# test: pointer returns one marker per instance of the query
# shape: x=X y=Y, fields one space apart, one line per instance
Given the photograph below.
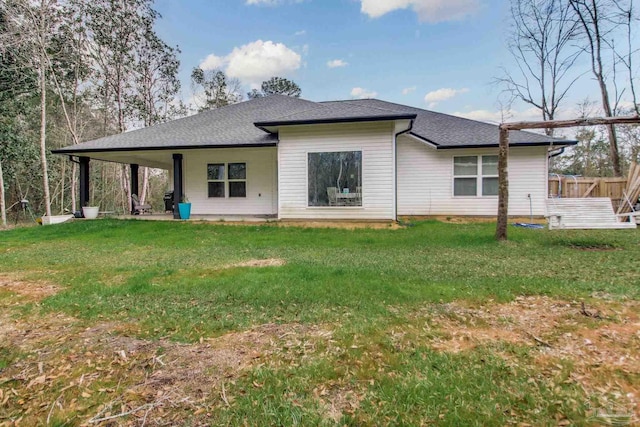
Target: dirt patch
x=338 y=399
x=471 y=219
x=346 y=224
x=602 y=344
x=270 y=262
x=66 y=370
x=595 y=248
x=33 y=290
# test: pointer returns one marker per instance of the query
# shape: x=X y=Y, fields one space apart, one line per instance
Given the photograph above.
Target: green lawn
x=175 y=282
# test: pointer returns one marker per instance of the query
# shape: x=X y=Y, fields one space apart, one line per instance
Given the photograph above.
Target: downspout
x=561 y=151
x=395 y=159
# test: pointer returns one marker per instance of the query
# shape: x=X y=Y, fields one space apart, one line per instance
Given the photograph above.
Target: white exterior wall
x=425 y=181
x=262 y=194
x=375 y=140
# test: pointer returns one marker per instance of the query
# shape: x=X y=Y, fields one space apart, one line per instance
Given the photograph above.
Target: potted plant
x=184 y=207
x=90 y=212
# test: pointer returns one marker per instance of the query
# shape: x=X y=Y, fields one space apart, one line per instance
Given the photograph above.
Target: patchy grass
x=212 y=324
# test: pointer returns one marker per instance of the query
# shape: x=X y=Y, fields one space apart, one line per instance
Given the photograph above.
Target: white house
x=359 y=159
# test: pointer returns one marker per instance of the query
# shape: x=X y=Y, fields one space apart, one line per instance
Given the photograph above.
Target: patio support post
x=134 y=184
x=177 y=184
x=84 y=181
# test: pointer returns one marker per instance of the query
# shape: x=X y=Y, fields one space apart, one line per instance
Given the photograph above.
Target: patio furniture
x=585 y=213
x=348 y=199
x=139 y=209
x=332 y=193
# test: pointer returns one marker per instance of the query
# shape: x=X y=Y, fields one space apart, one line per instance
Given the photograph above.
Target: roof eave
x=263 y=125
x=78 y=151
x=513 y=144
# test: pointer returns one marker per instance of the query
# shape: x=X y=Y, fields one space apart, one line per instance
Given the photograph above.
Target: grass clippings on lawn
x=604 y=352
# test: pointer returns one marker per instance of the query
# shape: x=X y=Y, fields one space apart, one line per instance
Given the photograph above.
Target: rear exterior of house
x=427 y=180
x=362 y=160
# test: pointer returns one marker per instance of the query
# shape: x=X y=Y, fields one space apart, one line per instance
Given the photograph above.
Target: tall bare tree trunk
x=3 y=206
x=592 y=17
x=43 y=133
x=145 y=185
x=611 y=130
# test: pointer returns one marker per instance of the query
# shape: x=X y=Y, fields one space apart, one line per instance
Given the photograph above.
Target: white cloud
x=442 y=94
x=255 y=62
x=336 y=63
x=212 y=62
x=300 y=33
x=408 y=90
x=360 y=93
x=431 y=11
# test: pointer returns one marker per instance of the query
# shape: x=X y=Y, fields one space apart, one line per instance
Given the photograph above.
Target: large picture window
x=335 y=178
x=223 y=176
x=475 y=176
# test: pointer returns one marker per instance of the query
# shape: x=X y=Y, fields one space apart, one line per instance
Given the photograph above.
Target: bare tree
x=625 y=17
x=114 y=28
x=596 y=23
x=540 y=41
x=34 y=25
x=156 y=85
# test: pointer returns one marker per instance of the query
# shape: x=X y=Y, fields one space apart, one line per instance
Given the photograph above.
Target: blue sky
x=396 y=50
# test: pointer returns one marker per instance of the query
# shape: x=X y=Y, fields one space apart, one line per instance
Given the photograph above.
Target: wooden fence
x=567 y=186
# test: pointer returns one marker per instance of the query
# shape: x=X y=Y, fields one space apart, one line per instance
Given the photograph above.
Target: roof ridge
x=353 y=101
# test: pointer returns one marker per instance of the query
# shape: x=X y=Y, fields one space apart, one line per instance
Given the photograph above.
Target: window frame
x=479 y=176
x=226 y=180
x=224 y=186
x=320 y=151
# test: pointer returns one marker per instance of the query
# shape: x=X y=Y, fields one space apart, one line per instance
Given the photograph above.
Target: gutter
x=395 y=167
x=514 y=144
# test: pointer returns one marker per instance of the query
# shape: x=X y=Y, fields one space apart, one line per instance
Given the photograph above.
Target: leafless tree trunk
x=145 y=185
x=592 y=22
x=43 y=133
x=541 y=44
x=626 y=17
x=3 y=206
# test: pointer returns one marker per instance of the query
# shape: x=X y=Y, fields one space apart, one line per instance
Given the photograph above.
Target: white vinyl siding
x=261 y=179
x=374 y=140
x=425 y=181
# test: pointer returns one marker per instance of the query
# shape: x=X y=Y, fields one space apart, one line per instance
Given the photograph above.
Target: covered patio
x=160 y=159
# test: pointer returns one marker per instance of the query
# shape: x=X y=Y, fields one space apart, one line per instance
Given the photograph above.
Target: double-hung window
x=227 y=178
x=475 y=176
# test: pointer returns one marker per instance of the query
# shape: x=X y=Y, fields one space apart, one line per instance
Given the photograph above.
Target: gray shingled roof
x=223 y=127
x=337 y=112
x=236 y=125
x=445 y=131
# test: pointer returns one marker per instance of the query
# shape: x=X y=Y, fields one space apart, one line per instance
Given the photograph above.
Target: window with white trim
x=227 y=178
x=475 y=176
x=335 y=179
